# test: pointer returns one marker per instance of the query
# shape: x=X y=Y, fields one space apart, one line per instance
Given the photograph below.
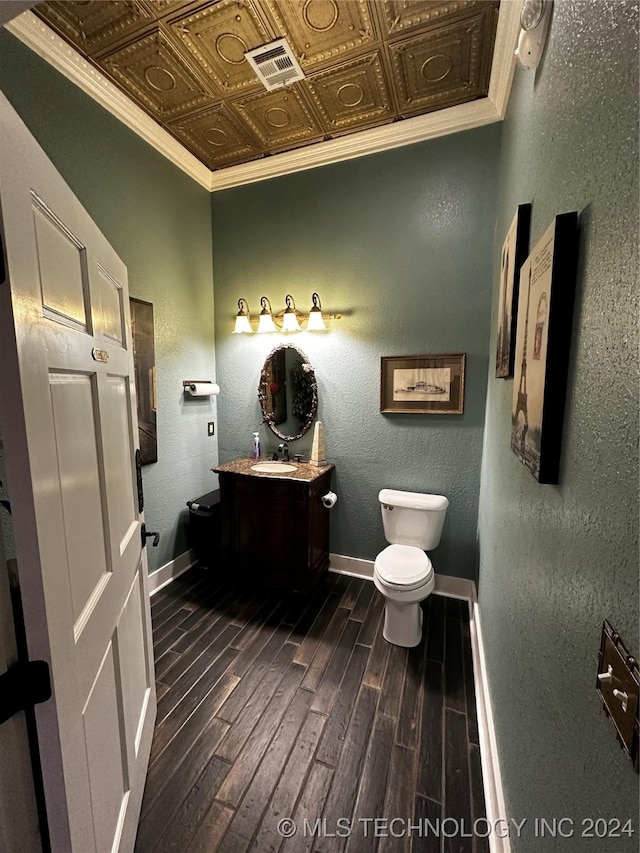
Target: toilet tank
x=413 y=518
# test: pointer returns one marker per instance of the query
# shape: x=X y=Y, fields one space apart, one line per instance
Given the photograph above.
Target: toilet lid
x=403 y=565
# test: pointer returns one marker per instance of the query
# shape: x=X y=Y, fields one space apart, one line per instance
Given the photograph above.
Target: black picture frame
x=514 y=253
x=543 y=342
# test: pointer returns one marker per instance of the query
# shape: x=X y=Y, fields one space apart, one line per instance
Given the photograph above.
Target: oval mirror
x=288 y=392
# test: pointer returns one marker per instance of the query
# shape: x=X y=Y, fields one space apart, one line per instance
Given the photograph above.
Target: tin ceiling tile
x=92 y=27
x=218 y=36
x=154 y=74
x=324 y=30
x=352 y=94
x=440 y=68
x=216 y=137
x=399 y=17
x=160 y=8
x=280 y=119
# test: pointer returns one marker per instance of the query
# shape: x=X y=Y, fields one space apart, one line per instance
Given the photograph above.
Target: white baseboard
x=170 y=571
x=357 y=568
x=491 y=776
x=455 y=587
x=352 y=566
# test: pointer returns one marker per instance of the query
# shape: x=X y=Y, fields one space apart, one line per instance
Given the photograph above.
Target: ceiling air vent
x=275 y=64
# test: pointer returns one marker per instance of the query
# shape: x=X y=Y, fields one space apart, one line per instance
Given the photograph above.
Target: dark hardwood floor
x=271 y=709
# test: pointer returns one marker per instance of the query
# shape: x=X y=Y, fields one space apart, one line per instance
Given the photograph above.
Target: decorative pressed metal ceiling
x=366 y=64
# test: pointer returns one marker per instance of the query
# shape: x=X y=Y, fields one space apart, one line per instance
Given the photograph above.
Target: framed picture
x=422 y=384
x=144 y=362
x=545 y=308
x=514 y=251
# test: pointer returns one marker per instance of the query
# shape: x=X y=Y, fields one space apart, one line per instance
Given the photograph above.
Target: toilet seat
x=403 y=567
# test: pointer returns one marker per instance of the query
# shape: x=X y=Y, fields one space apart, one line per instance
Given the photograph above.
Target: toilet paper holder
x=201 y=387
x=329 y=500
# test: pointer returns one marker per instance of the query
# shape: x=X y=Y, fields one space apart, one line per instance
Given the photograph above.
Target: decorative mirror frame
x=269 y=417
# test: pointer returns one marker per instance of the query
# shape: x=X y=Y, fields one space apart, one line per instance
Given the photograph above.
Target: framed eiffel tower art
x=545 y=308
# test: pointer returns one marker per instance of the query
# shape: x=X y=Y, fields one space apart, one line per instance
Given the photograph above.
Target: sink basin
x=273 y=468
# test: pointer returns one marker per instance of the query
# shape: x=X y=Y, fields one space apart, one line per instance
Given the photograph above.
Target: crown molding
x=49 y=46
x=504 y=59
x=405 y=132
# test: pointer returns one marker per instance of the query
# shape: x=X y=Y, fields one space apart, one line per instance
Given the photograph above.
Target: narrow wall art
x=545 y=308
x=144 y=362
x=514 y=251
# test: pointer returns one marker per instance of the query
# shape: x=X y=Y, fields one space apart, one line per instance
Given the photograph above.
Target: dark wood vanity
x=275 y=529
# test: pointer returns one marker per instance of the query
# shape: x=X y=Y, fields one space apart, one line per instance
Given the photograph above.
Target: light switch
x=211 y=428
x=618 y=683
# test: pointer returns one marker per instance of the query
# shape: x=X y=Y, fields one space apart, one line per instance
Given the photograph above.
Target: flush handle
x=623 y=698
x=606 y=677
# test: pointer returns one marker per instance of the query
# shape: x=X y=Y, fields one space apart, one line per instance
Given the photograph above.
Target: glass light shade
x=316 y=323
x=242 y=325
x=266 y=323
x=290 y=317
x=290 y=322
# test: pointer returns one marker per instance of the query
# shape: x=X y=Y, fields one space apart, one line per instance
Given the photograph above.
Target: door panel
x=136 y=676
x=81 y=489
x=118 y=450
x=107 y=773
x=71 y=436
x=62 y=268
x=111 y=321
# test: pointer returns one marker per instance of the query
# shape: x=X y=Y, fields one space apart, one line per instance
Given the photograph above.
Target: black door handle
x=146 y=534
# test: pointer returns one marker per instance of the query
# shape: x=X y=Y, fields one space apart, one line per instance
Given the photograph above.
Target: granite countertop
x=305 y=472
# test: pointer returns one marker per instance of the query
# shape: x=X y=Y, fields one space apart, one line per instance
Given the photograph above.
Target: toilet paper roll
x=203 y=389
x=329 y=499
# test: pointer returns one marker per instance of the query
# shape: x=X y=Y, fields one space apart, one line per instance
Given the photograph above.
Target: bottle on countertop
x=256 y=445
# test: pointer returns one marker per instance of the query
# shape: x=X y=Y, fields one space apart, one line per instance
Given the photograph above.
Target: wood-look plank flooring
x=272 y=708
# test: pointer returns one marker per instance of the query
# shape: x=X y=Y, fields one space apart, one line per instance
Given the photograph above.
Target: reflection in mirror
x=288 y=392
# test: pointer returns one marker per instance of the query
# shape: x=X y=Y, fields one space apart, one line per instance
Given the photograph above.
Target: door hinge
x=144 y=536
x=23 y=685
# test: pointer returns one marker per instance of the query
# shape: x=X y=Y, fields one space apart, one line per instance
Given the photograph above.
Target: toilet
x=403 y=573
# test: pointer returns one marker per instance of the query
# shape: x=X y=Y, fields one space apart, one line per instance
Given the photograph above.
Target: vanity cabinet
x=275 y=529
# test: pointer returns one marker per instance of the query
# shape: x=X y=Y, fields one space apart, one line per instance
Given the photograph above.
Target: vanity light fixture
x=315 y=323
x=285 y=321
x=290 y=317
x=266 y=323
x=243 y=319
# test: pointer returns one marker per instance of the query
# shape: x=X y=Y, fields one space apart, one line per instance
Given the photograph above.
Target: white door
x=68 y=410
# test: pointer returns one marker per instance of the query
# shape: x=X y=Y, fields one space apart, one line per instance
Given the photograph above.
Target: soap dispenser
x=256 y=445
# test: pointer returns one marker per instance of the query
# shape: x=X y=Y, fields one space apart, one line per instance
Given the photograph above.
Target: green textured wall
x=401 y=244
x=556 y=560
x=159 y=222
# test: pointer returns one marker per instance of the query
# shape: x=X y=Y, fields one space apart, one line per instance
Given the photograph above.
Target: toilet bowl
x=404 y=575
x=402 y=572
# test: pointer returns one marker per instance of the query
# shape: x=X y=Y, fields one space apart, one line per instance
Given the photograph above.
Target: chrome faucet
x=282 y=449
